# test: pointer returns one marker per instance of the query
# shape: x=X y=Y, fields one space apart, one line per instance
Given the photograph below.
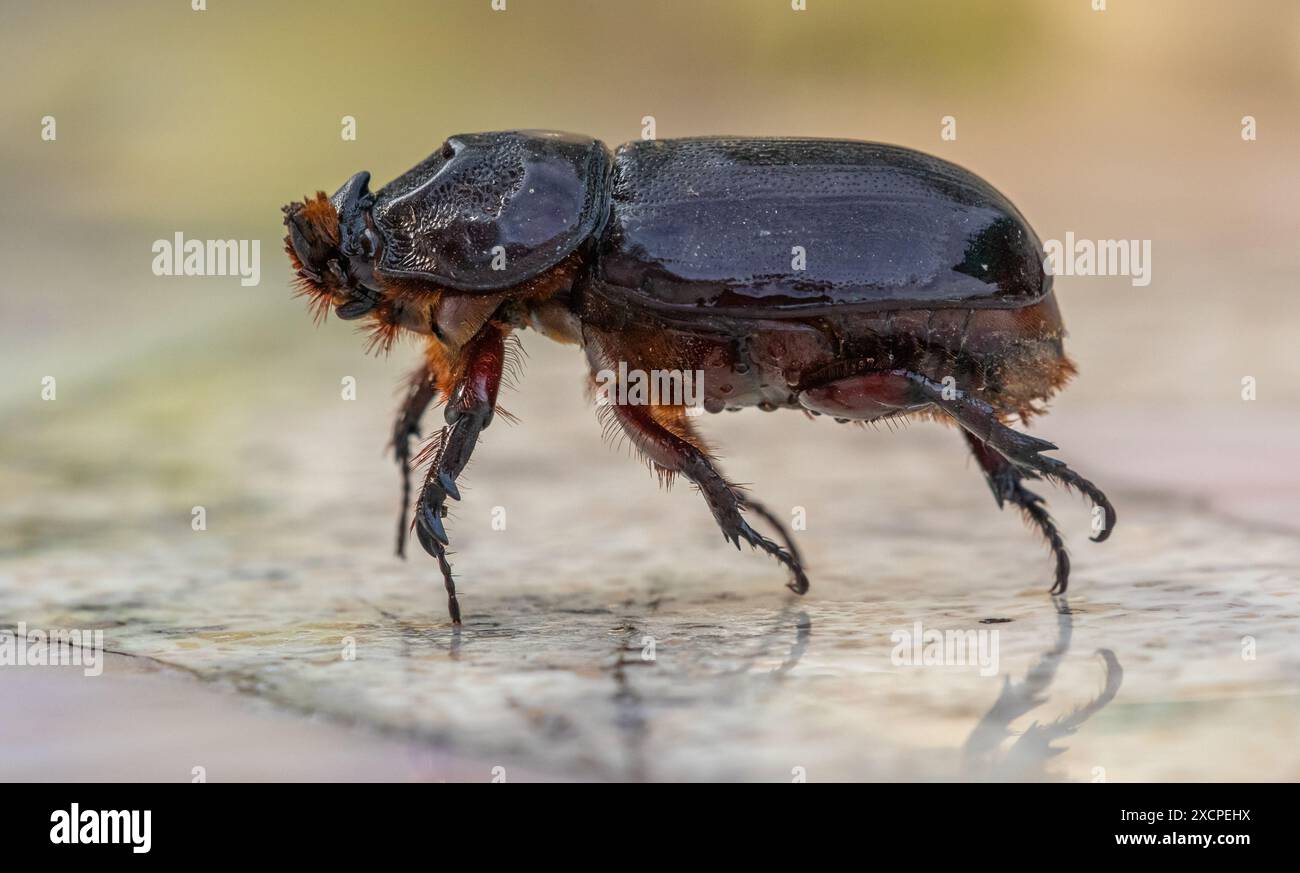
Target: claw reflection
x=783 y=622
x=1027 y=757
x=802 y=634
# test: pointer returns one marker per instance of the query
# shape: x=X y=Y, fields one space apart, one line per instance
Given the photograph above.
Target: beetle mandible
x=922 y=292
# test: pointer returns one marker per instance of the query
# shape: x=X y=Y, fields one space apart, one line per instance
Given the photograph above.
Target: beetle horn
x=350 y=201
x=350 y=194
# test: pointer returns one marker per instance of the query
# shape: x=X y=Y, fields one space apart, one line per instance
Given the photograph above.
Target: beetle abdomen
x=770 y=226
x=491 y=210
x=1012 y=359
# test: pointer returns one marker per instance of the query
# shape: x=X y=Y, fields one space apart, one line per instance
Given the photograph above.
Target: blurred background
x=179 y=392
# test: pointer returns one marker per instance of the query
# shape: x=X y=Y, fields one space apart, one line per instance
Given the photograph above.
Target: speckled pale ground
x=1139 y=675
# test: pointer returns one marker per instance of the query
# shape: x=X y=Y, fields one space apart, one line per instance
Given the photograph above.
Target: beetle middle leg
x=469 y=411
x=663 y=435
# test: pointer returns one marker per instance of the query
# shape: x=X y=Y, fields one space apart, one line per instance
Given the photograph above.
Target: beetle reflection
x=1026 y=759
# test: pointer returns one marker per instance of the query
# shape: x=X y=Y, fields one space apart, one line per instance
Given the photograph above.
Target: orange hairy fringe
x=431 y=449
x=617 y=433
x=324 y=219
x=512 y=368
x=382 y=332
x=321 y=213
x=318 y=296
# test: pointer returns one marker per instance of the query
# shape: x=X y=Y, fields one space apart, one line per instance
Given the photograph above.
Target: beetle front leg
x=671 y=447
x=469 y=411
x=422 y=388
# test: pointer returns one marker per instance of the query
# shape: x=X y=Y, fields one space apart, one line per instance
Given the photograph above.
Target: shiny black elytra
x=859 y=280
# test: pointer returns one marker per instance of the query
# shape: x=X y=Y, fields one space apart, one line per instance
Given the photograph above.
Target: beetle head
x=333 y=246
x=332 y=249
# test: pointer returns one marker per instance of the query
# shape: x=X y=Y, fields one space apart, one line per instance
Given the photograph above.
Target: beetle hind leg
x=981 y=421
x=1007 y=456
x=1006 y=481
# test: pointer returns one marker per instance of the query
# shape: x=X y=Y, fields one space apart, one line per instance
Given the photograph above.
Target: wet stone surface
x=611 y=634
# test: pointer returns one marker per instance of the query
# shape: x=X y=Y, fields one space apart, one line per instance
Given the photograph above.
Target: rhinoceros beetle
x=858 y=280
